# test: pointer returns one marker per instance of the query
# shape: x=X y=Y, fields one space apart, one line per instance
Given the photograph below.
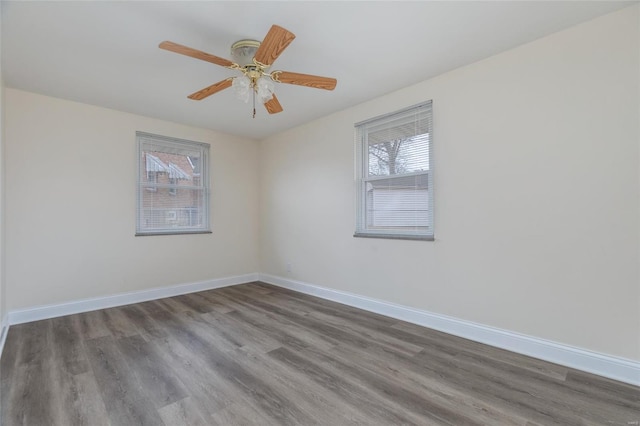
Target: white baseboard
x=51 y=311
x=620 y=369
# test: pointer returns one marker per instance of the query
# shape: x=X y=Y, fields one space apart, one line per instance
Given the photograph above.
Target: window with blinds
x=173 y=186
x=394 y=176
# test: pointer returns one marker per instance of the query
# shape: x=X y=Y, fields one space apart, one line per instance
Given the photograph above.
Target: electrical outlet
x=288 y=267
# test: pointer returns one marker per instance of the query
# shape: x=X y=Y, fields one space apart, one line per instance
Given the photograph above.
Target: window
x=395 y=180
x=164 y=166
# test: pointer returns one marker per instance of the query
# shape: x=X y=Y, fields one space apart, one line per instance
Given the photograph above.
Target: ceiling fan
x=253 y=59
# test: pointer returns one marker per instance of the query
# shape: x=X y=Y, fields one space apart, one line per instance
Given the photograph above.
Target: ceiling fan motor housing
x=243 y=51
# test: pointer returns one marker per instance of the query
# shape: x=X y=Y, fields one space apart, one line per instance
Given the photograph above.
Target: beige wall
x=3 y=302
x=536 y=192
x=71 y=199
x=638 y=174
x=3 y=299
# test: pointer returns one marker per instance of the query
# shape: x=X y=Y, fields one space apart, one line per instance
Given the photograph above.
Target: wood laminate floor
x=258 y=354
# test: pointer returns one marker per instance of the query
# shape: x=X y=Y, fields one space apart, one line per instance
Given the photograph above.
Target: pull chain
x=254 y=103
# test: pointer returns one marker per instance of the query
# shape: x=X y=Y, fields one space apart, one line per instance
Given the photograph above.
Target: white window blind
x=173 y=186
x=394 y=176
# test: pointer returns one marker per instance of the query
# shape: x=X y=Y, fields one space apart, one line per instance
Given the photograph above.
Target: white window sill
x=149 y=234
x=395 y=236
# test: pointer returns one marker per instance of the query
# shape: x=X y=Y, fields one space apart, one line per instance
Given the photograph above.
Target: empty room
x=320 y=213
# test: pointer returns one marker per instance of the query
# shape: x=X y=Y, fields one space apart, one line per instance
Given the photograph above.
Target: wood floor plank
x=34 y=338
x=341 y=326
x=76 y=397
x=260 y=287
x=248 y=335
x=239 y=414
x=354 y=394
x=69 y=347
x=175 y=305
x=386 y=338
x=92 y=324
x=223 y=339
x=195 y=303
x=215 y=352
x=125 y=400
x=207 y=388
x=429 y=369
x=281 y=329
x=184 y=412
x=500 y=390
x=30 y=400
x=335 y=330
x=8 y=368
x=118 y=323
x=147 y=326
x=527 y=389
x=391 y=391
x=157 y=378
x=333 y=334
x=383 y=339
x=217 y=305
x=610 y=391
x=198 y=339
x=88 y=407
x=439 y=391
x=77 y=400
x=256 y=354
x=310 y=398
x=333 y=308
x=452 y=344
x=34 y=399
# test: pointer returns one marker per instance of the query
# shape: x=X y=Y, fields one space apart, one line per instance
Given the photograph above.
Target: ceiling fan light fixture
x=253 y=59
x=265 y=89
x=243 y=51
x=242 y=88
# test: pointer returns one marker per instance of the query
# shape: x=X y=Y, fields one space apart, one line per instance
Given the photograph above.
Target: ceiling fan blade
x=274 y=43
x=210 y=90
x=305 y=80
x=194 y=53
x=273 y=105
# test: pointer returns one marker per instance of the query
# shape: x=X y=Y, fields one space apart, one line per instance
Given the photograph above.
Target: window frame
x=142 y=139
x=363 y=178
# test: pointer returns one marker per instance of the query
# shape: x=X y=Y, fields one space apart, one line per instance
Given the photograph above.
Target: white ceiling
x=106 y=53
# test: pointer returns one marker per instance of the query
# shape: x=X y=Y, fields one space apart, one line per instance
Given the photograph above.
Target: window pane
x=161 y=210
x=164 y=168
x=400 y=203
x=398 y=156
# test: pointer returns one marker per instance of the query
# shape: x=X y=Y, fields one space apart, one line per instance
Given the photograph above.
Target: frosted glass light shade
x=264 y=89
x=242 y=87
x=243 y=51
